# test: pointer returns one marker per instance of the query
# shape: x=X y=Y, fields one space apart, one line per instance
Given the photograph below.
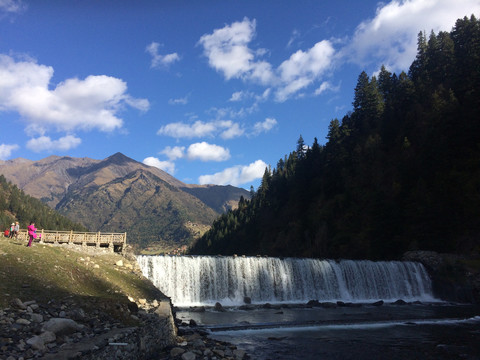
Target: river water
x=344 y=324
x=412 y=331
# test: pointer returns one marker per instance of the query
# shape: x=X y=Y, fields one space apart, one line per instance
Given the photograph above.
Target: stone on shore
x=61 y=326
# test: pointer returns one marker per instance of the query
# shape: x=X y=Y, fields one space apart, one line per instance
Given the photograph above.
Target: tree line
x=400 y=172
x=15 y=205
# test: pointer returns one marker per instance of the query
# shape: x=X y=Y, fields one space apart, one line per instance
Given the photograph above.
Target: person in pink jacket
x=32 y=232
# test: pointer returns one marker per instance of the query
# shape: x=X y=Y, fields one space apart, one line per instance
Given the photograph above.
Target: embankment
x=59 y=303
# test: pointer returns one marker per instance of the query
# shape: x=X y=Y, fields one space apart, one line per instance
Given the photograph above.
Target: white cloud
x=204 y=151
x=391 y=36
x=180 y=101
x=233 y=130
x=160 y=60
x=73 y=104
x=183 y=130
x=295 y=35
x=325 y=86
x=167 y=166
x=6 y=150
x=228 y=52
x=45 y=143
x=174 y=153
x=236 y=175
x=12 y=6
x=226 y=128
x=245 y=95
x=264 y=126
x=240 y=95
x=302 y=68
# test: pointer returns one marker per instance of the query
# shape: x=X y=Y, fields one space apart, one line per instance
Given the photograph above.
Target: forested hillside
x=15 y=205
x=400 y=172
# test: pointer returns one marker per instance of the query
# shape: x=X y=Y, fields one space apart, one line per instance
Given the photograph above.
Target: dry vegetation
x=44 y=273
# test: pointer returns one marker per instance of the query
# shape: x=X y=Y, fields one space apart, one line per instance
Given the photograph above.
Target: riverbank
x=59 y=303
x=68 y=302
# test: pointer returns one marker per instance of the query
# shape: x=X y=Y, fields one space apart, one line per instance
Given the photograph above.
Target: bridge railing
x=112 y=241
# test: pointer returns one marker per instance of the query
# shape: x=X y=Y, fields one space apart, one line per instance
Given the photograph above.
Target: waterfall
x=197 y=280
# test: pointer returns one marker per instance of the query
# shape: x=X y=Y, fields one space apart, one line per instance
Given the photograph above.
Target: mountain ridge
x=121 y=194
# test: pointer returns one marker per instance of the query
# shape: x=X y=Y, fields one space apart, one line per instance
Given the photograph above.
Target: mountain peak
x=119 y=159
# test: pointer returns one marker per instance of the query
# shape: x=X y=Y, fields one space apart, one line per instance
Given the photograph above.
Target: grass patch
x=44 y=273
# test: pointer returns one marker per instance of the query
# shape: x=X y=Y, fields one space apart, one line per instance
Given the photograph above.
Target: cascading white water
x=196 y=280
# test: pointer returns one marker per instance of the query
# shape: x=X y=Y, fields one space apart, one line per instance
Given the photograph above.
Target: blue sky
x=209 y=91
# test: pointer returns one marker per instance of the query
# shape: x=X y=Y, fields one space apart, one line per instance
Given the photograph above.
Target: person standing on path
x=32 y=233
x=16 y=229
x=12 y=230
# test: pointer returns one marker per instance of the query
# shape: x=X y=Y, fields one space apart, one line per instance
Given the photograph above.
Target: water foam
x=204 y=280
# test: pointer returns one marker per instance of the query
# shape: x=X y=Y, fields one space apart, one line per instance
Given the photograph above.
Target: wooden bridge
x=114 y=242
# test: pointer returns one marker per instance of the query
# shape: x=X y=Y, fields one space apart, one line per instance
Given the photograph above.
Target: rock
x=198 y=309
x=189 y=356
x=192 y=323
x=77 y=314
x=142 y=301
x=96 y=266
x=239 y=354
x=48 y=337
x=400 y=302
x=208 y=352
x=37 y=318
x=119 y=263
x=219 y=352
x=198 y=343
x=22 y=322
x=378 y=303
x=61 y=326
x=133 y=307
x=176 y=351
x=247 y=300
x=36 y=343
x=17 y=303
x=219 y=307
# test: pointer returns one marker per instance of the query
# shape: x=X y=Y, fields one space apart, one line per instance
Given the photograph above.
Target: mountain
x=15 y=205
x=120 y=194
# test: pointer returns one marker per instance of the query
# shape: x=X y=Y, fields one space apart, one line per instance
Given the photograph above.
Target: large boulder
x=61 y=326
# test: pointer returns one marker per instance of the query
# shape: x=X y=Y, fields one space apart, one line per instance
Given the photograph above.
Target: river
x=411 y=331
x=354 y=311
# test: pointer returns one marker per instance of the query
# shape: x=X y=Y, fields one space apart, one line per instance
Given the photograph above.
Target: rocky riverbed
x=63 y=330
x=61 y=302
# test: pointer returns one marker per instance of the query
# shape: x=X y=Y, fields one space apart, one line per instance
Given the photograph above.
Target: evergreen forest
x=15 y=205
x=400 y=172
